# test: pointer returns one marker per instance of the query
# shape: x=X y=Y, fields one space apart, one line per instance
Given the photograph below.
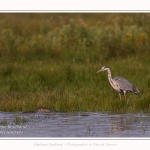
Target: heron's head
x=102 y=69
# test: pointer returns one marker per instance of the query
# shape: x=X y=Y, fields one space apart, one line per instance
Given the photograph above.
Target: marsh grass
x=3 y=122
x=20 y=120
x=50 y=60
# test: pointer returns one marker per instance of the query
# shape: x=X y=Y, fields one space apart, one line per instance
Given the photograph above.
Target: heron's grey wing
x=124 y=84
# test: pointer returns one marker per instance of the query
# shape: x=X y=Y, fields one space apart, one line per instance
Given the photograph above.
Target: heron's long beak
x=99 y=71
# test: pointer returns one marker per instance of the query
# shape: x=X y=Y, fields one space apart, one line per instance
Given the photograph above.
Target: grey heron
x=120 y=84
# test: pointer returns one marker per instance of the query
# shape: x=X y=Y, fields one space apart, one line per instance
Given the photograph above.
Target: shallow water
x=77 y=124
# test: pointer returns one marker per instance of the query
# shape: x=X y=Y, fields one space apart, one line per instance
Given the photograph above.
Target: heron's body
x=120 y=84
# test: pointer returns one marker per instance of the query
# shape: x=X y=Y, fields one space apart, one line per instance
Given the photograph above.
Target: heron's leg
x=125 y=95
x=120 y=96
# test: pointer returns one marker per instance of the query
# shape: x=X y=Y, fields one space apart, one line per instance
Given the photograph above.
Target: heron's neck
x=109 y=74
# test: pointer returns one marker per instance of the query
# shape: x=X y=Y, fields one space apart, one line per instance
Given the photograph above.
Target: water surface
x=77 y=124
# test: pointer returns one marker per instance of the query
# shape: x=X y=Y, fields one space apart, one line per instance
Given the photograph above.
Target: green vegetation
x=20 y=120
x=50 y=60
x=3 y=122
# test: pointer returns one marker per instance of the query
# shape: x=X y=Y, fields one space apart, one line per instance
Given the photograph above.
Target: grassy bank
x=50 y=60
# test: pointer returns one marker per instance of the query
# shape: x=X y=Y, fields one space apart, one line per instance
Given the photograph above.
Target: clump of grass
x=3 y=122
x=20 y=120
x=88 y=127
